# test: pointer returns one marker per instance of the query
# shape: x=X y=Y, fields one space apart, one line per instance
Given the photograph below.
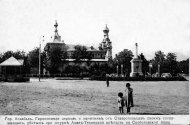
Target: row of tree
x=57 y=58
x=168 y=63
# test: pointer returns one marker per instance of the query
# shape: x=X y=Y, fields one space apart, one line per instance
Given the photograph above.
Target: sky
x=154 y=24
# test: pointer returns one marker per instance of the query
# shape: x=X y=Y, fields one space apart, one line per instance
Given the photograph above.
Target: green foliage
x=100 y=78
x=80 y=53
x=124 y=57
x=145 y=64
x=94 y=69
x=33 y=57
x=171 y=63
x=159 y=58
x=88 y=57
x=100 y=69
x=76 y=70
x=33 y=60
x=17 y=54
x=55 y=59
x=183 y=66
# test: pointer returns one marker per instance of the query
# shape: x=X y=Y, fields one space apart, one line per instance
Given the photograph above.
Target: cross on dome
x=106 y=29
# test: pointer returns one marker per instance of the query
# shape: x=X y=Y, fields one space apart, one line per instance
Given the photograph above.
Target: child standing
x=120 y=102
x=129 y=94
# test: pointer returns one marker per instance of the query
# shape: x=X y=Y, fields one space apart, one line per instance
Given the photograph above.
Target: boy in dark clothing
x=107 y=80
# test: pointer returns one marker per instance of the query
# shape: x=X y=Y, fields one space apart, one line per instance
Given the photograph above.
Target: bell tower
x=57 y=37
x=106 y=43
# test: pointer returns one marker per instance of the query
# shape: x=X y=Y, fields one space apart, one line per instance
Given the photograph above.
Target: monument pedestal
x=136 y=67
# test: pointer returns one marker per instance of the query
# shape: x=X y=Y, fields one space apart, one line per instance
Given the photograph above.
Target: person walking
x=107 y=80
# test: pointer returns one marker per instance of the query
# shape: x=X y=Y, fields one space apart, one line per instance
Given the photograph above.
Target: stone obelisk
x=136 y=65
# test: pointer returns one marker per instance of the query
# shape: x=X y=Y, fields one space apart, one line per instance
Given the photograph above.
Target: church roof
x=71 y=47
x=92 y=60
x=12 y=62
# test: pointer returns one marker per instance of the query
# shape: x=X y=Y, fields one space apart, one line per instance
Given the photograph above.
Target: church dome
x=106 y=29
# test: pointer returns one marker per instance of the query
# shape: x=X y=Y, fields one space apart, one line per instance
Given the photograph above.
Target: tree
x=55 y=59
x=124 y=57
x=33 y=61
x=26 y=66
x=94 y=69
x=145 y=64
x=33 y=57
x=7 y=55
x=183 y=66
x=88 y=57
x=80 y=53
x=18 y=55
x=171 y=63
x=159 y=58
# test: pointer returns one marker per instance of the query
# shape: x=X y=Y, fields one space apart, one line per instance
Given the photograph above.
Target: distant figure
x=120 y=102
x=107 y=80
x=129 y=97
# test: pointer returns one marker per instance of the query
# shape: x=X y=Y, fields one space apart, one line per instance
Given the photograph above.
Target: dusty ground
x=59 y=97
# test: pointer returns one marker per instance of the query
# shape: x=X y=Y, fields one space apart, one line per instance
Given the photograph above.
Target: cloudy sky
x=153 y=24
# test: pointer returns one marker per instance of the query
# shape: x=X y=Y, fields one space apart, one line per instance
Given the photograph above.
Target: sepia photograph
x=94 y=57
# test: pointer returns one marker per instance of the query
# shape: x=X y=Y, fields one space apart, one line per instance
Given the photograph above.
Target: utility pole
x=40 y=59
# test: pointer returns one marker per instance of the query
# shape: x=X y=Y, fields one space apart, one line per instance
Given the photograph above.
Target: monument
x=136 y=65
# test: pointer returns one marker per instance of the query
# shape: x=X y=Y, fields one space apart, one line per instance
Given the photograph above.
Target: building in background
x=13 y=70
x=98 y=55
